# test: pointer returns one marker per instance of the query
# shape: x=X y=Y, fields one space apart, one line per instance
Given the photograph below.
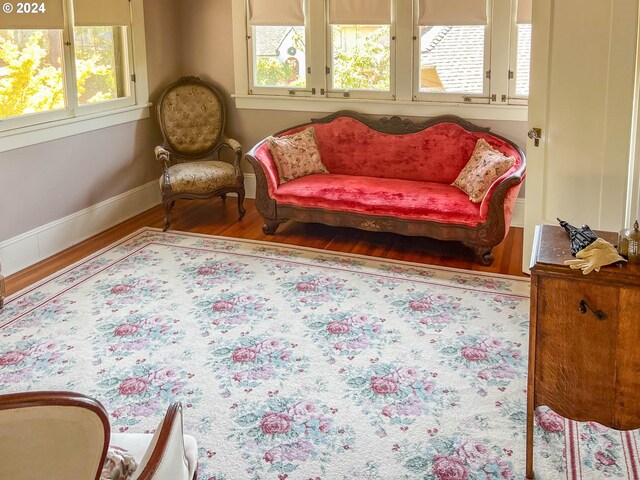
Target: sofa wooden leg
x=270 y=226
x=483 y=255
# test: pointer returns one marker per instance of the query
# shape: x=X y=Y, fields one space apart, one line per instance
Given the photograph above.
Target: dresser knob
x=584 y=306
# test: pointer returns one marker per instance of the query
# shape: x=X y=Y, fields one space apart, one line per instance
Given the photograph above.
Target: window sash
x=455 y=97
x=333 y=91
x=277 y=90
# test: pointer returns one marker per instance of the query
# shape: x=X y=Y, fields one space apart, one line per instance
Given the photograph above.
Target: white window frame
x=467 y=97
x=277 y=90
x=514 y=98
x=404 y=102
x=31 y=129
x=358 y=93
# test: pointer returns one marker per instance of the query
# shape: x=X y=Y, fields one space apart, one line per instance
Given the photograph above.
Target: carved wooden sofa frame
x=481 y=238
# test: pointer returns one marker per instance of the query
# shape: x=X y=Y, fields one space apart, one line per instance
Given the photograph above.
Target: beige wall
x=49 y=181
x=46 y=182
x=206 y=29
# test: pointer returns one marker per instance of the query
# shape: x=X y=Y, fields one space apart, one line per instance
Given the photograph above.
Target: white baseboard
x=517 y=218
x=250 y=185
x=31 y=247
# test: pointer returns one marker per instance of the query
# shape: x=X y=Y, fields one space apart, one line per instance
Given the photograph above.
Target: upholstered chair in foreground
x=192 y=118
x=64 y=435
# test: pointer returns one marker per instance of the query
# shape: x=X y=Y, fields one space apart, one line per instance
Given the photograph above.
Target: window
x=521 y=53
x=453 y=53
x=279 y=60
x=360 y=51
x=360 y=58
x=61 y=59
x=415 y=52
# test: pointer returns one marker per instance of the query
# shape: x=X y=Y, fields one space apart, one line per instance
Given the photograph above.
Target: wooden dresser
x=584 y=345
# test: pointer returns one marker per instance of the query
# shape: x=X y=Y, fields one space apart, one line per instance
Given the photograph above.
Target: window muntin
x=361 y=57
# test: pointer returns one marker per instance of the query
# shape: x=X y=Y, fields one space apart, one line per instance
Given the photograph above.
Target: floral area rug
x=295 y=363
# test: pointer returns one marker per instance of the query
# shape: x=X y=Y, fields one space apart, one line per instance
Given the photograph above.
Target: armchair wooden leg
x=241 y=209
x=167 y=214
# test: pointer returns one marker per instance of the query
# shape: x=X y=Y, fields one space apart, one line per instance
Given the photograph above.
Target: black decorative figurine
x=580 y=238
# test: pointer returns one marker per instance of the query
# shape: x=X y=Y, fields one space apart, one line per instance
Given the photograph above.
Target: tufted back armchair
x=192 y=118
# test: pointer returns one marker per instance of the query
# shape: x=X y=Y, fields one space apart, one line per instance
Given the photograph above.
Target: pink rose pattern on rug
x=280 y=434
x=33 y=360
x=434 y=311
x=394 y=394
x=350 y=333
x=457 y=457
x=296 y=364
x=136 y=332
x=252 y=361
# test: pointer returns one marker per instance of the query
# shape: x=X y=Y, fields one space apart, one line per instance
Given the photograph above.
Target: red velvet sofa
x=393 y=175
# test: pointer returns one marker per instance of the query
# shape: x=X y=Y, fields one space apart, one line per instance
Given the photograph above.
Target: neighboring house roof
x=456 y=53
x=269 y=41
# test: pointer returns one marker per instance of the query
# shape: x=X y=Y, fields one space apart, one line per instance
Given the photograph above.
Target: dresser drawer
x=588 y=368
x=575 y=351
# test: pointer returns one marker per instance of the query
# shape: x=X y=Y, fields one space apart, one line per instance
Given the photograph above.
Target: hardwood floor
x=213 y=218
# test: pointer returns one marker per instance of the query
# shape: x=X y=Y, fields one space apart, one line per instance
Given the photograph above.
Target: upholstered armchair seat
x=177 y=462
x=192 y=117
x=199 y=177
x=66 y=435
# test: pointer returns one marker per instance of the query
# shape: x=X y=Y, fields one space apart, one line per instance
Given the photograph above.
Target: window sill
x=54 y=130
x=383 y=107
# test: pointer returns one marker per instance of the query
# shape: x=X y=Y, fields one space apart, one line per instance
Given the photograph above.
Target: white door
x=581 y=97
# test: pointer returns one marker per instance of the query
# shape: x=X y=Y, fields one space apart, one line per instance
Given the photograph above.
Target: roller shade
x=524 y=11
x=453 y=12
x=359 y=12
x=51 y=16
x=88 y=13
x=276 y=12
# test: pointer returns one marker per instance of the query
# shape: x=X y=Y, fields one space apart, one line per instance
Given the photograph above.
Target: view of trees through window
x=32 y=74
x=361 y=57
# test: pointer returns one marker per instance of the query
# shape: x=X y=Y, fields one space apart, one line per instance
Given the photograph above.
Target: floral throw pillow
x=296 y=155
x=119 y=465
x=484 y=167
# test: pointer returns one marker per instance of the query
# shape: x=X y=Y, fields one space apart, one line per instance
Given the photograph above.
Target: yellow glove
x=594 y=256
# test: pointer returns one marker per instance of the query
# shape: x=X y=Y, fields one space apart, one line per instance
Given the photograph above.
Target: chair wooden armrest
x=168 y=454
